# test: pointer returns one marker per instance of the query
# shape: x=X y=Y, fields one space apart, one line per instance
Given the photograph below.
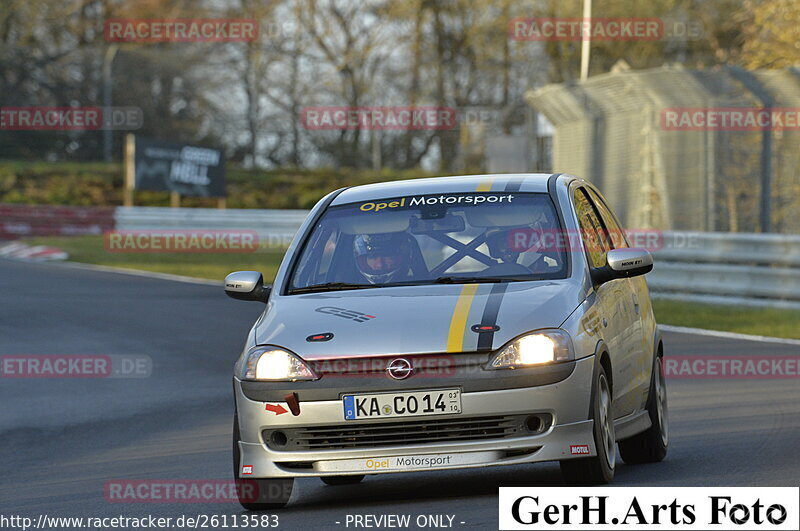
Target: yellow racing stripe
x=458 y=323
x=485 y=186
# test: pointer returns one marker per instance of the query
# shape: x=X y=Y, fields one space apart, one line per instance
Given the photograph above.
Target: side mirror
x=624 y=263
x=247 y=286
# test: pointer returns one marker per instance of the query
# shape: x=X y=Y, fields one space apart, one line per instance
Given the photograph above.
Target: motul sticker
x=579 y=449
x=247 y=470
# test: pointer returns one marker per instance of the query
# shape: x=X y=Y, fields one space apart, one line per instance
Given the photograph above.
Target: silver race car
x=446 y=323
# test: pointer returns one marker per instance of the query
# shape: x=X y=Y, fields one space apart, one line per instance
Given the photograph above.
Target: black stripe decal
x=514 y=184
x=489 y=317
x=492 y=308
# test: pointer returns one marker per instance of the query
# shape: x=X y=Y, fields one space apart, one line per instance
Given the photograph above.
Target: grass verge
x=743 y=320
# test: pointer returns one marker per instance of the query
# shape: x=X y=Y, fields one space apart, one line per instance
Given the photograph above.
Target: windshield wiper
x=479 y=280
x=331 y=286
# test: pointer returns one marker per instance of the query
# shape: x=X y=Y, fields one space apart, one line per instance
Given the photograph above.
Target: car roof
x=506 y=182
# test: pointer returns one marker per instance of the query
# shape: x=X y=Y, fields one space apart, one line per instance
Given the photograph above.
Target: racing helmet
x=382 y=258
x=498 y=240
x=503 y=242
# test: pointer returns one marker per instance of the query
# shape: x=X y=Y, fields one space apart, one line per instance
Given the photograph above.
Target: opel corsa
x=446 y=323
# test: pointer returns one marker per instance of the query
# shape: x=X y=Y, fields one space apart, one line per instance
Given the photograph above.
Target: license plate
x=410 y=404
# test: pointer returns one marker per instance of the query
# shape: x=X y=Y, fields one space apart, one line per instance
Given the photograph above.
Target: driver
x=506 y=244
x=499 y=243
x=502 y=246
x=383 y=258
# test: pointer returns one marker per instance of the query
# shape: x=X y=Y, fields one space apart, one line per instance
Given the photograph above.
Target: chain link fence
x=666 y=148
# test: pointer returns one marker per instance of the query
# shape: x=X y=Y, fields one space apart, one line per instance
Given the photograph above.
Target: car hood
x=414 y=319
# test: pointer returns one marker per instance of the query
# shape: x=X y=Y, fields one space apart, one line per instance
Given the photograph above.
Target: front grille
x=406 y=432
x=429 y=365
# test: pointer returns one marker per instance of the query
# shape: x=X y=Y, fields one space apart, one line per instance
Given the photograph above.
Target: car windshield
x=427 y=239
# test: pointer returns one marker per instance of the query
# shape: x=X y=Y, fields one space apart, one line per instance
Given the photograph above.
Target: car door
x=640 y=337
x=618 y=321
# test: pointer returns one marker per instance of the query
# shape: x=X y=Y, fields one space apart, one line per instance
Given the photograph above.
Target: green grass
x=214 y=266
x=758 y=321
x=90 y=249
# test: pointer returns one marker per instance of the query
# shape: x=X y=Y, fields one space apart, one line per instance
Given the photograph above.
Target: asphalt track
x=62 y=439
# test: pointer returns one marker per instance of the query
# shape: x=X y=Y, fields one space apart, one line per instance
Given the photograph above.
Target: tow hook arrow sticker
x=276 y=408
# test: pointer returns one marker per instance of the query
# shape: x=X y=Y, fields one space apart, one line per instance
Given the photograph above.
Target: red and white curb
x=38 y=253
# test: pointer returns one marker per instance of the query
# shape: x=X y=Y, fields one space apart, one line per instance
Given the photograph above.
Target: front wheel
x=651 y=446
x=596 y=470
x=258 y=494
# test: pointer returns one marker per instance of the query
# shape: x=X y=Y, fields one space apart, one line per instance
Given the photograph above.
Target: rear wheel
x=596 y=470
x=651 y=446
x=341 y=480
x=258 y=494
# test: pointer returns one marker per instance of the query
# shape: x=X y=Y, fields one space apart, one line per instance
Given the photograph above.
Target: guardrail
x=719 y=268
x=728 y=268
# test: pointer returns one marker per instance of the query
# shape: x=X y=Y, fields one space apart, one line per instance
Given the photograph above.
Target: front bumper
x=568 y=402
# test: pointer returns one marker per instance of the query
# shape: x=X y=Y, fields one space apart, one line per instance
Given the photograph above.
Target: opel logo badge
x=400 y=369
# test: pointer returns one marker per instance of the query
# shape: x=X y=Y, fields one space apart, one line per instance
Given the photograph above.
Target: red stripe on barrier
x=20 y=221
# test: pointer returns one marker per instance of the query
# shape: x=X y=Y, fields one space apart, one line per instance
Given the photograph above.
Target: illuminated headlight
x=275 y=364
x=537 y=348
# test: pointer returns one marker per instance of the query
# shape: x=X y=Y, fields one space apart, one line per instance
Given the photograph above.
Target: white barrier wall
x=275 y=227
x=728 y=268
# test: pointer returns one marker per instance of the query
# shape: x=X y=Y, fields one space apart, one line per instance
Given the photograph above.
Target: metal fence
x=610 y=129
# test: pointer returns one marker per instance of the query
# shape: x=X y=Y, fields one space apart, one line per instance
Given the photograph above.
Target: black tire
x=341 y=480
x=258 y=494
x=597 y=470
x=651 y=446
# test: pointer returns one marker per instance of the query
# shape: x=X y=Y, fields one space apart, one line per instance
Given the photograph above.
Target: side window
x=617 y=234
x=316 y=258
x=327 y=254
x=593 y=232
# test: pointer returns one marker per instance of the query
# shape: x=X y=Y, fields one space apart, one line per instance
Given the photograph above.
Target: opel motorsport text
x=411 y=327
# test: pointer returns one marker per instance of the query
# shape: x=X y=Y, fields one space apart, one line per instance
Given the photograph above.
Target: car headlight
x=275 y=364
x=537 y=348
